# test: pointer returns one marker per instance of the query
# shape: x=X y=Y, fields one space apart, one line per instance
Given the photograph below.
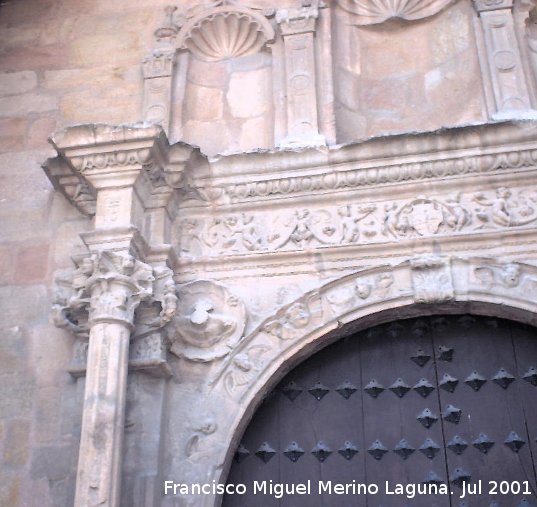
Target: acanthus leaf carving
x=210 y=323
x=371 y=12
x=431 y=279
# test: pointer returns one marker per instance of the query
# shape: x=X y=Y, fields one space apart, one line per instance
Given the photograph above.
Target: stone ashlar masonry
x=330 y=229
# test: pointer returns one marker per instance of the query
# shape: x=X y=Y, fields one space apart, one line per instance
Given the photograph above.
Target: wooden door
x=447 y=404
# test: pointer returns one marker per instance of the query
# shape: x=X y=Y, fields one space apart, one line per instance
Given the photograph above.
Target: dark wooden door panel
x=391 y=418
x=439 y=400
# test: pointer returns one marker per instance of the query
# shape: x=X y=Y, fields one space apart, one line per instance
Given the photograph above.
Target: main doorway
x=445 y=401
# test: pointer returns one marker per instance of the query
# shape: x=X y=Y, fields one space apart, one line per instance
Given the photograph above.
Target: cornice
x=277 y=174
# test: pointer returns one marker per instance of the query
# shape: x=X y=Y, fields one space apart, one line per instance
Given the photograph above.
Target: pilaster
x=298 y=27
x=508 y=81
x=132 y=174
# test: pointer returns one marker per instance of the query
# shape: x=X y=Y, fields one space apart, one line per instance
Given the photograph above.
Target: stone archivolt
x=426 y=279
x=370 y=12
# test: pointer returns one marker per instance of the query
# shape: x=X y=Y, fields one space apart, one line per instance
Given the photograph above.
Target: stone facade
x=229 y=186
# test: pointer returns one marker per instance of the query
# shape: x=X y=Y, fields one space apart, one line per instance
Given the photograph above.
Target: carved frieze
x=209 y=324
x=458 y=213
x=505 y=209
x=425 y=217
x=371 y=12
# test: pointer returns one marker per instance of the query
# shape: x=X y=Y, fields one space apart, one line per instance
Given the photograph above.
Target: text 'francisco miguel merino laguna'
x=279 y=490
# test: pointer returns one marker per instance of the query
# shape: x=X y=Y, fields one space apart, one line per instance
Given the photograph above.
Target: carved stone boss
x=503 y=57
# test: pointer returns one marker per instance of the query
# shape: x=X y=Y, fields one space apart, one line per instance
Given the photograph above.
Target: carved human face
x=298 y=315
x=242 y=362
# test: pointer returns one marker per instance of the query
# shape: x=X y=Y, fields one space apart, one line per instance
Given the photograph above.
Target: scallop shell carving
x=370 y=12
x=225 y=32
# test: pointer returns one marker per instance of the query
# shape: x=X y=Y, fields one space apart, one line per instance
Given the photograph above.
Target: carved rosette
x=225 y=32
x=372 y=12
x=210 y=323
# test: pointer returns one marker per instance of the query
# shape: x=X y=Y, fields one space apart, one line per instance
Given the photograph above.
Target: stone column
x=298 y=27
x=508 y=81
x=130 y=174
x=123 y=167
x=116 y=287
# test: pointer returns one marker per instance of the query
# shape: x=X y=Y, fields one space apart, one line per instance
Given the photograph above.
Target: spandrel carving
x=209 y=324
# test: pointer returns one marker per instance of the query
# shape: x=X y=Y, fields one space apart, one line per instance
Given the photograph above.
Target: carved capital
x=492 y=5
x=159 y=64
x=116 y=287
x=295 y=21
x=210 y=323
x=108 y=287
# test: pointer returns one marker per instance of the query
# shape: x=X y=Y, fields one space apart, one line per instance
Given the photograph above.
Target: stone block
x=6 y=264
x=52 y=462
x=250 y=93
x=12 y=133
x=13 y=350
x=31 y=263
x=21 y=14
x=40 y=130
x=36 y=305
x=452 y=34
x=203 y=103
x=256 y=133
x=211 y=137
x=15 y=83
x=67 y=239
x=71 y=409
x=10 y=489
x=52 y=56
x=119 y=48
x=50 y=352
x=107 y=105
x=27 y=104
x=212 y=74
x=47 y=412
x=101 y=76
x=16 y=396
x=16 y=447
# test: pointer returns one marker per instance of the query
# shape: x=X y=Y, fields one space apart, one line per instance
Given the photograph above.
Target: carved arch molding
x=416 y=287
